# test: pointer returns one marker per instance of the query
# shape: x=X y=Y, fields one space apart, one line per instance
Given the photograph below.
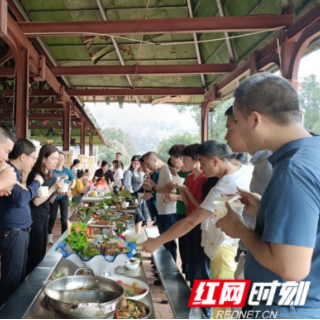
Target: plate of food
x=134 y=289
x=129 y=309
x=127 y=217
x=100 y=223
x=113 y=214
x=112 y=246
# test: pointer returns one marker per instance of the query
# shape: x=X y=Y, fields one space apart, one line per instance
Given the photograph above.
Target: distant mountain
x=147 y=125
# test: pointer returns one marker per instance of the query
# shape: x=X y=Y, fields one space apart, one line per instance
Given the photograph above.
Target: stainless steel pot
x=83 y=297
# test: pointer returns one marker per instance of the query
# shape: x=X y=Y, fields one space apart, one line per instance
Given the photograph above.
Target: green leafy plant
x=77 y=239
x=85 y=213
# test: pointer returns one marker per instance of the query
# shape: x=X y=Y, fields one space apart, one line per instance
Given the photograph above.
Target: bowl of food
x=67 y=296
x=129 y=309
x=134 y=237
x=133 y=289
x=133 y=263
x=93 y=194
x=125 y=205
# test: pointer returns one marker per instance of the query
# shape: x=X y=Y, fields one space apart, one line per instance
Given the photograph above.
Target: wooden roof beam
x=116 y=92
x=156 y=26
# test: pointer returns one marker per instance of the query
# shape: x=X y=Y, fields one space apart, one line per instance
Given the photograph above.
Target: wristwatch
x=153 y=190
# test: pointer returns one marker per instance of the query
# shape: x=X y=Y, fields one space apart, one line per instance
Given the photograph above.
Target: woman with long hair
x=40 y=206
x=133 y=179
x=80 y=189
x=75 y=166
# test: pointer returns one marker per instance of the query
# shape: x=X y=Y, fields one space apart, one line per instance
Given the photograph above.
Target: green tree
x=216 y=118
x=165 y=145
x=121 y=142
x=310 y=101
x=217 y=121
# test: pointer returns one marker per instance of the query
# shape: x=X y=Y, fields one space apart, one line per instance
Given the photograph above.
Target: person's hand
x=169 y=198
x=8 y=177
x=180 y=186
x=39 y=178
x=231 y=224
x=150 y=182
x=52 y=199
x=147 y=196
x=59 y=184
x=149 y=246
x=251 y=201
x=6 y=192
x=147 y=186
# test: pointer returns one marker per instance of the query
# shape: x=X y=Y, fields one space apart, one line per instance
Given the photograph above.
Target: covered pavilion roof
x=147 y=51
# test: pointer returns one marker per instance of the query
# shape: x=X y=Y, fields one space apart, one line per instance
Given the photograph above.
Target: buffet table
x=27 y=301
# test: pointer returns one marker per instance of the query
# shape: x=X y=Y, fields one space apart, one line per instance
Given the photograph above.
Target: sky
x=310 y=64
x=131 y=114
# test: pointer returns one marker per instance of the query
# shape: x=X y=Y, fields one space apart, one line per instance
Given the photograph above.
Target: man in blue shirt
x=285 y=245
x=15 y=220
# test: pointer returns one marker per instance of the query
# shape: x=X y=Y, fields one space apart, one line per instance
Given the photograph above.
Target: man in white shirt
x=167 y=216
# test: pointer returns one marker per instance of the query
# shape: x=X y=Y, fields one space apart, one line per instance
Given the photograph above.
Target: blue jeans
x=143 y=207
x=152 y=207
x=165 y=222
x=282 y=312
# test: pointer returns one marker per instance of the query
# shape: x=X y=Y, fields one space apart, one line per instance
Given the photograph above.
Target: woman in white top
x=118 y=176
x=75 y=167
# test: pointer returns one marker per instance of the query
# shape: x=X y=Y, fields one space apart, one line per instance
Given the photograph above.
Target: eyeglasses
x=34 y=158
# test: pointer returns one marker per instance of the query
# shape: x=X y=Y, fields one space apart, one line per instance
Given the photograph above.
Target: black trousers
x=38 y=239
x=183 y=248
x=165 y=222
x=14 y=254
x=63 y=204
x=198 y=267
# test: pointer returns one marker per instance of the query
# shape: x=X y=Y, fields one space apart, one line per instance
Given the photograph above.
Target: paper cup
x=43 y=192
x=220 y=209
x=65 y=187
x=177 y=180
x=125 y=205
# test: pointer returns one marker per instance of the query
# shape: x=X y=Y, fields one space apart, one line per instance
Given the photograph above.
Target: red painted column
x=66 y=126
x=204 y=121
x=90 y=143
x=22 y=95
x=253 y=63
x=290 y=61
x=83 y=137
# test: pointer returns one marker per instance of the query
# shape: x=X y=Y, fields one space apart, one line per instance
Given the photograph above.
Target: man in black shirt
x=16 y=220
x=104 y=171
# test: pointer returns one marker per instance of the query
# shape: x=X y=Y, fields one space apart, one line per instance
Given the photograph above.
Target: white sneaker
x=50 y=239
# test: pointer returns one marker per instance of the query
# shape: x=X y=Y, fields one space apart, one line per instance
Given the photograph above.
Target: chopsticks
x=22 y=186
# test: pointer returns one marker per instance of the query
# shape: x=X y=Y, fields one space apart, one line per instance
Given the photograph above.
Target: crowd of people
x=278 y=233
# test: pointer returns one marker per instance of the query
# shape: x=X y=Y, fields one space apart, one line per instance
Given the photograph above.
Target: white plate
x=130 y=281
x=113 y=225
